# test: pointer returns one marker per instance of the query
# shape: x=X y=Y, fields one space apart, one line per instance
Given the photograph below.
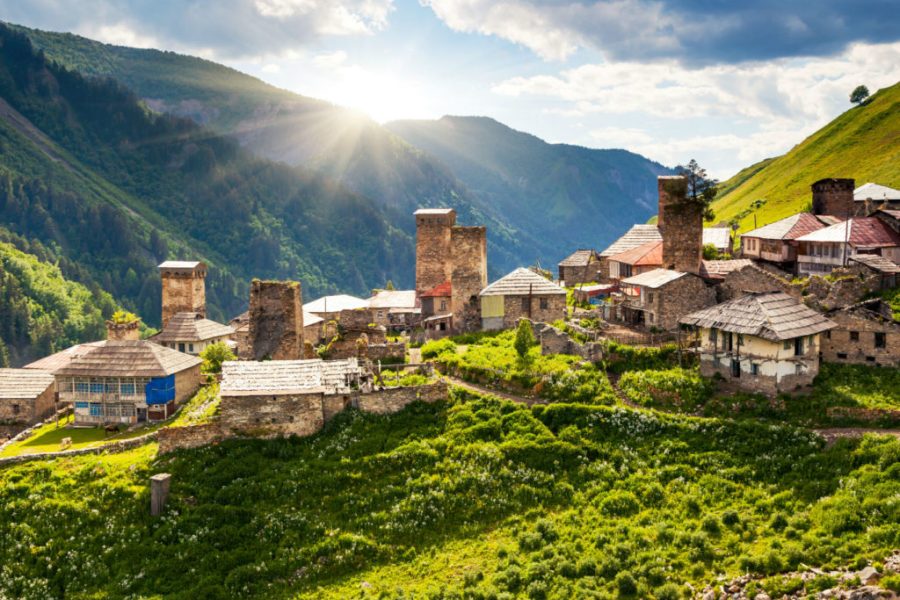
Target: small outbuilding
x=522 y=293
x=26 y=397
x=579 y=267
x=866 y=333
x=763 y=342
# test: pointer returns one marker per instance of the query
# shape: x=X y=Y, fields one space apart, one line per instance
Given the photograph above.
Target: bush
x=626 y=584
x=436 y=348
x=524 y=339
x=679 y=389
x=622 y=357
x=214 y=355
x=620 y=504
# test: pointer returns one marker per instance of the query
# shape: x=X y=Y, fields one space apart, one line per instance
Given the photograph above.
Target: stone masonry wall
x=678 y=298
x=390 y=351
x=433 y=253
x=833 y=197
x=516 y=307
x=681 y=224
x=468 y=275
x=392 y=400
x=754 y=279
x=267 y=415
x=838 y=345
x=844 y=287
x=183 y=291
x=30 y=410
x=276 y=320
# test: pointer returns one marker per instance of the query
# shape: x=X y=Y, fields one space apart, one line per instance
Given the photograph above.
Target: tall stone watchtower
x=833 y=197
x=183 y=288
x=276 y=320
x=468 y=251
x=680 y=223
x=434 y=262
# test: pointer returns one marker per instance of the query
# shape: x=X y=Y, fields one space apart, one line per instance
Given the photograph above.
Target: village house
x=764 y=342
x=635 y=261
x=638 y=235
x=887 y=270
x=522 y=293
x=396 y=310
x=891 y=218
x=866 y=333
x=581 y=266
x=870 y=197
x=437 y=320
x=821 y=251
x=26 y=397
x=329 y=307
x=719 y=238
x=776 y=243
x=658 y=298
x=191 y=333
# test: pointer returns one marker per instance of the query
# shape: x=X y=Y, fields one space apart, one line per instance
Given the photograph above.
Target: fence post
x=159 y=493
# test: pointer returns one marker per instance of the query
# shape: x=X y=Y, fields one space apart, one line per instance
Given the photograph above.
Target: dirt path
x=832 y=433
x=479 y=389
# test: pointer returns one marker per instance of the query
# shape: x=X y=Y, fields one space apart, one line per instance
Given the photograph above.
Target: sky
x=726 y=82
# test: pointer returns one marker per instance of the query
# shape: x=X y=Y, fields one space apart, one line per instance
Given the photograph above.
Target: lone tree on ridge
x=859 y=95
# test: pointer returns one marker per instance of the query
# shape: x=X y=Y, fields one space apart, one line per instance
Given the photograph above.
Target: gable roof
x=876 y=263
x=247 y=378
x=720 y=237
x=649 y=254
x=444 y=290
x=789 y=228
x=579 y=258
x=334 y=304
x=434 y=211
x=771 y=315
x=718 y=269
x=655 y=278
x=521 y=282
x=131 y=358
x=404 y=299
x=23 y=384
x=634 y=237
x=865 y=232
x=875 y=191
x=191 y=327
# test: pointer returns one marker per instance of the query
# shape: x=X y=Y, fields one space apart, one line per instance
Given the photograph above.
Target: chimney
x=833 y=197
x=123 y=327
x=680 y=223
x=183 y=288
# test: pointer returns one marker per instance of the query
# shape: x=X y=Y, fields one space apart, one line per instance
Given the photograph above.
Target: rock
x=709 y=595
x=761 y=596
x=868 y=575
x=869 y=593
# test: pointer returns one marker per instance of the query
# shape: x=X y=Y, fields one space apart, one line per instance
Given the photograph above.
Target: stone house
x=581 y=266
x=122 y=381
x=888 y=272
x=396 y=310
x=866 y=333
x=26 y=397
x=822 y=251
x=870 y=197
x=767 y=342
x=659 y=298
x=776 y=243
x=437 y=319
x=329 y=307
x=191 y=333
x=522 y=293
x=276 y=320
x=635 y=261
x=753 y=278
x=638 y=235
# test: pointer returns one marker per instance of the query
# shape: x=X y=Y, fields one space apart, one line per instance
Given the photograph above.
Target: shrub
x=214 y=355
x=677 y=388
x=435 y=348
x=669 y=591
x=524 y=339
x=626 y=584
x=622 y=357
x=620 y=504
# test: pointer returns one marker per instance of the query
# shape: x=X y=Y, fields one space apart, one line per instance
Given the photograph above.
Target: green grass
x=201 y=408
x=861 y=143
x=471 y=498
x=49 y=437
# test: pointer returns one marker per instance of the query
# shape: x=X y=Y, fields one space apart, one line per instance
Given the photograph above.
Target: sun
x=381 y=95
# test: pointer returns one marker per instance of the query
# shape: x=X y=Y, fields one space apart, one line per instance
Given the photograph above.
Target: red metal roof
x=649 y=254
x=443 y=290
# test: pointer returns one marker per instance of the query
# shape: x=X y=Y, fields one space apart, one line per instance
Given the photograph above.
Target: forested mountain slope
x=863 y=143
x=86 y=169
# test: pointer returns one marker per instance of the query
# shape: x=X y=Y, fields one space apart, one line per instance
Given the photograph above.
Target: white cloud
x=122 y=35
x=271 y=68
x=330 y=60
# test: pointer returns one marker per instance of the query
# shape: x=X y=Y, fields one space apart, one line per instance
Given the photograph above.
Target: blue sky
x=727 y=83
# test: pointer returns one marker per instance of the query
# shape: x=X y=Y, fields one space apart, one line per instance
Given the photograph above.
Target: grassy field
x=49 y=438
x=862 y=143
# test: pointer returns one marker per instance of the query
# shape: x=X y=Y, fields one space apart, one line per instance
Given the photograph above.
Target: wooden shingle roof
x=133 y=358
x=634 y=237
x=248 y=378
x=23 y=384
x=771 y=315
x=876 y=263
x=654 y=279
x=718 y=269
x=579 y=258
x=522 y=282
x=191 y=327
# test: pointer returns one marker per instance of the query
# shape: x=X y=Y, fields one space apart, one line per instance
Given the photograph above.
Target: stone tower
x=681 y=225
x=123 y=332
x=833 y=197
x=433 y=256
x=468 y=251
x=183 y=288
x=276 y=320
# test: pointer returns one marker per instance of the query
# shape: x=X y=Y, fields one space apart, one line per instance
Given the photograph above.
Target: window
x=870 y=359
x=787 y=344
x=649 y=296
x=735 y=367
x=81 y=405
x=545 y=304
x=181 y=347
x=443 y=305
x=81 y=387
x=16 y=409
x=854 y=336
x=190 y=347
x=96 y=409
x=740 y=339
x=828 y=335
x=713 y=335
x=798 y=347
x=880 y=339
x=754 y=369
x=96 y=388
x=842 y=355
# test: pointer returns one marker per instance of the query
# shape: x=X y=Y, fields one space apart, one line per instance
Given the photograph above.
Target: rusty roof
x=865 y=232
x=579 y=258
x=191 y=327
x=23 y=384
x=444 y=290
x=771 y=315
x=131 y=358
x=645 y=255
x=634 y=237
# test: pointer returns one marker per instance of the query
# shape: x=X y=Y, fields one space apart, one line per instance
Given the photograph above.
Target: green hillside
x=863 y=144
x=474 y=498
x=40 y=310
x=88 y=171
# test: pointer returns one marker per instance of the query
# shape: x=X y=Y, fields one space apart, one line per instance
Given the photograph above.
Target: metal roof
x=789 y=228
x=634 y=237
x=875 y=191
x=720 y=237
x=333 y=304
x=405 y=299
x=579 y=258
x=181 y=264
x=434 y=211
x=23 y=384
x=248 y=378
x=771 y=315
x=522 y=282
x=865 y=232
x=648 y=254
x=444 y=290
x=191 y=327
x=132 y=358
x=654 y=279
x=876 y=262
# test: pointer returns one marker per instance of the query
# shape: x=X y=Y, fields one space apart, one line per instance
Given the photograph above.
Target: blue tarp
x=160 y=390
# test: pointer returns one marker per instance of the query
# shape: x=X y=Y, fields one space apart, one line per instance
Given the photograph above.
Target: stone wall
x=433 y=254
x=585 y=274
x=468 y=275
x=556 y=341
x=833 y=197
x=183 y=290
x=276 y=320
x=187 y=383
x=29 y=411
x=392 y=400
x=268 y=415
x=839 y=345
x=390 y=351
x=681 y=224
x=517 y=307
x=677 y=299
x=120 y=446
x=196 y=436
x=130 y=331
x=755 y=279
x=785 y=376
x=844 y=287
